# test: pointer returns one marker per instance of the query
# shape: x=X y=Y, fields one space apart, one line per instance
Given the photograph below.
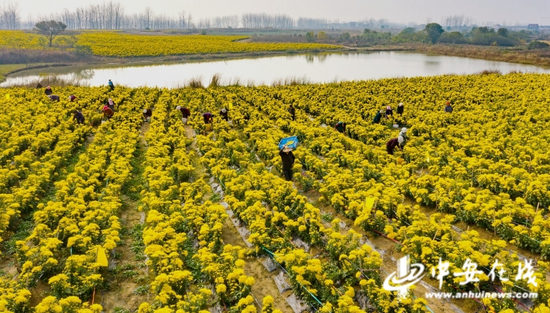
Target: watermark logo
x=405 y=276
x=409 y=274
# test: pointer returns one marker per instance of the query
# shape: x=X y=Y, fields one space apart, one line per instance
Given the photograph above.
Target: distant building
x=533 y=26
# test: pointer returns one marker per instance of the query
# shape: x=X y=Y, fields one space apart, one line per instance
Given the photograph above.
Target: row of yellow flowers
x=37 y=139
x=191 y=268
x=81 y=217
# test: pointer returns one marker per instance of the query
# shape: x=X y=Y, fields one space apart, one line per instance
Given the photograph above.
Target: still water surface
x=265 y=71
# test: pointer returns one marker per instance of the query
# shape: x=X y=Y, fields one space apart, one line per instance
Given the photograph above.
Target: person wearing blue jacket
x=378 y=117
x=448 y=107
x=79 y=117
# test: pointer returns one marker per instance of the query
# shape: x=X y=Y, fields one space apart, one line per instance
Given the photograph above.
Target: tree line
x=112 y=15
x=485 y=36
x=434 y=33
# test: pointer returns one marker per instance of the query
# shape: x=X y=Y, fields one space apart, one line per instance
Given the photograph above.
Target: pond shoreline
x=533 y=57
x=106 y=62
x=539 y=57
x=480 y=53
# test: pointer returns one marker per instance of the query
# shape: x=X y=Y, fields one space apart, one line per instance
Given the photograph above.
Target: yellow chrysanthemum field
x=116 y=44
x=167 y=203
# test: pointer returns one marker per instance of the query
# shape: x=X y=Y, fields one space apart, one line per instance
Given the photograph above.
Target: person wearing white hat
x=147 y=114
x=400 y=108
x=287 y=157
x=402 y=138
x=224 y=114
x=340 y=127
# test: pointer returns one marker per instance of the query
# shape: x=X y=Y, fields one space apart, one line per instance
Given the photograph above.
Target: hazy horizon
x=483 y=12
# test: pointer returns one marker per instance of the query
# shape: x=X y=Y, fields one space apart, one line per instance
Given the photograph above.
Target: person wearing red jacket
x=107 y=112
x=185 y=113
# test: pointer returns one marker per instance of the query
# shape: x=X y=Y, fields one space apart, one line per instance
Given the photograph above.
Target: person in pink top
x=389 y=111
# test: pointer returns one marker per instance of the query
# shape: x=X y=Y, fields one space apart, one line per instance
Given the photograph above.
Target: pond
x=313 y=68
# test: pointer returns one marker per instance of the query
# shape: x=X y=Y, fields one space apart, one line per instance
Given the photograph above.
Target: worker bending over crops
x=448 y=107
x=400 y=108
x=389 y=111
x=340 y=127
x=147 y=114
x=390 y=146
x=224 y=113
x=78 y=116
x=107 y=112
x=402 y=137
x=208 y=121
x=111 y=104
x=185 y=113
x=379 y=115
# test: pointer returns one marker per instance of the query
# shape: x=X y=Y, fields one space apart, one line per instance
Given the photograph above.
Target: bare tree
x=204 y=23
x=313 y=23
x=225 y=21
x=190 y=21
x=181 y=19
x=9 y=18
x=147 y=16
x=457 y=21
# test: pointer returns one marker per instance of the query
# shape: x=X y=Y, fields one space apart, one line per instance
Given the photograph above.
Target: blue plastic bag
x=291 y=142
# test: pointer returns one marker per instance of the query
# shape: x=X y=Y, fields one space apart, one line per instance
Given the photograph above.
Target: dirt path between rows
x=127 y=271
x=264 y=285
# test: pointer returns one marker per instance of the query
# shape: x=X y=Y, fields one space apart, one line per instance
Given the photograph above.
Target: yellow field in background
x=124 y=45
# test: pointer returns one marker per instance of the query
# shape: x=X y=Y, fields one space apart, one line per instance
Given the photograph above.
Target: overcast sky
x=508 y=12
